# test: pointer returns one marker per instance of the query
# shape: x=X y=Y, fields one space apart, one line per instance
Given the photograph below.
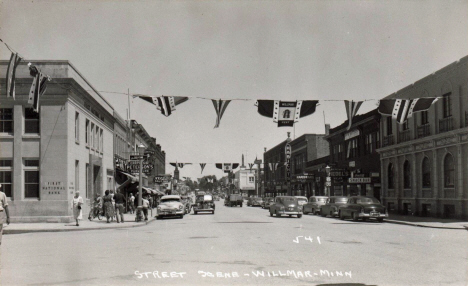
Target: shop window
x=31 y=121
x=447 y=100
x=449 y=171
x=426 y=173
x=406 y=175
x=77 y=127
x=390 y=176
x=5 y=176
x=31 y=178
x=87 y=133
x=6 y=120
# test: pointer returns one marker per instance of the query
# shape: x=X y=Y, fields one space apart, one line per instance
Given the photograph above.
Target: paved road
x=240 y=242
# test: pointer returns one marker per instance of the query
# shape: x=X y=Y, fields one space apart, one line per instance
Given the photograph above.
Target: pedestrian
x=4 y=213
x=108 y=207
x=119 y=206
x=113 y=203
x=145 y=205
x=131 y=203
x=77 y=201
x=150 y=199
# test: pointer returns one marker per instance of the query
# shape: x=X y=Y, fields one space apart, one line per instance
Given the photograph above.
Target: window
x=369 y=144
x=405 y=125
x=77 y=175
x=389 y=125
x=31 y=121
x=87 y=133
x=77 y=127
x=31 y=178
x=377 y=139
x=101 y=140
x=96 y=138
x=447 y=105
x=6 y=120
x=390 y=176
x=251 y=179
x=91 y=136
x=449 y=171
x=424 y=117
x=352 y=148
x=86 y=180
x=5 y=176
x=406 y=175
x=426 y=173
x=337 y=150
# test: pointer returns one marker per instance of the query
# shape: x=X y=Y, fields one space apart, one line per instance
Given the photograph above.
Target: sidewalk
x=85 y=224
x=430 y=222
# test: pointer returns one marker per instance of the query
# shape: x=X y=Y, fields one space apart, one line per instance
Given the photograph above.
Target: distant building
x=424 y=162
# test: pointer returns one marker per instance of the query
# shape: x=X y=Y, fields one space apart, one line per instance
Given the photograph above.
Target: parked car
x=287 y=205
x=361 y=207
x=302 y=200
x=204 y=203
x=314 y=204
x=234 y=200
x=267 y=202
x=331 y=206
x=170 y=205
x=254 y=202
x=187 y=201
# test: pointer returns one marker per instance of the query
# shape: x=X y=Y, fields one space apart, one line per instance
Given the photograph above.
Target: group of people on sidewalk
x=111 y=205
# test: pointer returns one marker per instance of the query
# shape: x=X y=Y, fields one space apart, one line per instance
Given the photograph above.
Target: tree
x=208 y=183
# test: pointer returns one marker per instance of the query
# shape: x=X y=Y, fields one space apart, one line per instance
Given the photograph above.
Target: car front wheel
x=355 y=217
x=299 y=216
x=340 y=214
x=380 y=219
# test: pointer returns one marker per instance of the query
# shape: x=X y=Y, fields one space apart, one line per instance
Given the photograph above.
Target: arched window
x=390 y=176
x=449 y=171
x=426 y=173
x=406 y=175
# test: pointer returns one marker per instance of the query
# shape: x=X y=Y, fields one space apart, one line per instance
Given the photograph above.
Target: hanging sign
x=288 y=151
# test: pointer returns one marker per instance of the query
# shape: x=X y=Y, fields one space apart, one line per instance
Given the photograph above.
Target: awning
x=130 y=176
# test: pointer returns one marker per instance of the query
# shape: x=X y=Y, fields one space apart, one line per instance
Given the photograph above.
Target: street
x=239 y=246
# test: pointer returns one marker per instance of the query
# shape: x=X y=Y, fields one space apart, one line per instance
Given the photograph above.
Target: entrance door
x=407 y=209
x=97 y=180
x=449 y=211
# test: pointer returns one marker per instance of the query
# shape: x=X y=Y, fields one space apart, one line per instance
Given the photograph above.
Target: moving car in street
x=314 y=204
x=332 y=205
x=287 y=205
x=187 y=201
x=170 y=206
x=252 y=202
x=361 y=207
x=302 y=200
x=267 y=202
x=204 y=203
x=234 y=200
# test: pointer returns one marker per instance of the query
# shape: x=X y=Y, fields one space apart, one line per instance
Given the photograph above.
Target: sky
x=282 y=50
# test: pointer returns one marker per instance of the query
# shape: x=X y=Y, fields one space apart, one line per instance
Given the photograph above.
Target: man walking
x=131 y=203
x=119 y=205
x=4 y=213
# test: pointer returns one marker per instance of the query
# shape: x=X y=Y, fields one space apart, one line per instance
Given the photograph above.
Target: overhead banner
x=285 y=113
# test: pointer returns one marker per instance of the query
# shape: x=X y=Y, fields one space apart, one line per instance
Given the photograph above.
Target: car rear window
x=367 y=201
x=322 y=199
x=341 y=200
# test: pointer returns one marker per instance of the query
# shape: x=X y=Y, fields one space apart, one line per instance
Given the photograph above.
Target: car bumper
x=203 y=210
x=171 y=213
x=289 y=212
x=380 y=215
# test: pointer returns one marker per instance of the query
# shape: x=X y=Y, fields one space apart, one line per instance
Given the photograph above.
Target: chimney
x=242 y=166
x=327 y=129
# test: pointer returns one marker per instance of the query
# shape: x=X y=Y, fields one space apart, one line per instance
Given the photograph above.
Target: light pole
x=141 y=152
x=328 y=181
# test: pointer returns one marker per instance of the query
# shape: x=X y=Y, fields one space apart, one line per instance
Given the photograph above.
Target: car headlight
x=159 y=208
x=181 y=207
x=282 y=208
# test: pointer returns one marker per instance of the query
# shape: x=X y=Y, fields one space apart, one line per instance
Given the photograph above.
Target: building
x=66 y=147
x=274 y=169
x=354 y=162
x=244 y=180
x=424 y=162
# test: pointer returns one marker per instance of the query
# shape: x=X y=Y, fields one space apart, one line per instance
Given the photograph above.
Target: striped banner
x=352 y=108
x=220 y=106
x=11 y=74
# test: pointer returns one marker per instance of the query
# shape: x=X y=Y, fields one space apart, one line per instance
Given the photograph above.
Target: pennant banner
x=11 y=74
x=227 y=167
x=202 y=165
x=285 y=113
x=251 y=166
x=220 y=106
x=166 y=104
x=38 y=86
x=273 y=166
x=352 y=108
x=402 y=109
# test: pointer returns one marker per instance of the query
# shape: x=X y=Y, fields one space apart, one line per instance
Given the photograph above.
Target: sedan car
x=267 y=202
x=314 y=204
x=331 y=206
x=254 y=202
x=287 y=205
x=302 y=200
x=204 y=203
x=170 y=206
x=361 y=207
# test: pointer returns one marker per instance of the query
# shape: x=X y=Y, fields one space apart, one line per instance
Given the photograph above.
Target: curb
x=422 y=225
x=21 y=231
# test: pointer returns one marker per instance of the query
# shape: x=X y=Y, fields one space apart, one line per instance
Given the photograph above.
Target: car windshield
x=302 y=200
x=367 y=201
x=170 y=200
x=341 y=200
x=288 y=200
x=321 y=200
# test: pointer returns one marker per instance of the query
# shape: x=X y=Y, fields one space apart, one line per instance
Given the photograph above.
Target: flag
x=285 y=113
x=166 y=104
x=352 y=108
x=251 y=166
x=402 y=109
x=273 y=166
x=11 y=74
x=227 y=167
x=220 y=106
x=202 y=165
x=179 y=165
x=38 y=86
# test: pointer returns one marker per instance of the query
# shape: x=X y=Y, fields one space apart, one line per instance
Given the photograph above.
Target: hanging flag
x=352 y=108
x=402 y=109
x=38 y=86
x=166 y=104
x=202 y=165
x=273 y=166
x=179 y=165
x=251 y=166
x=227 y=167
x=11 y=74
x=285 y=113
x=220 y=106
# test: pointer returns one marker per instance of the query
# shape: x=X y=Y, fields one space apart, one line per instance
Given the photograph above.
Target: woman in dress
x=76 y=207
x=108 y=207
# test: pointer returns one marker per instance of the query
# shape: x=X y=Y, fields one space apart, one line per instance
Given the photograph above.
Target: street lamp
x=327 y=188
x=141 y=152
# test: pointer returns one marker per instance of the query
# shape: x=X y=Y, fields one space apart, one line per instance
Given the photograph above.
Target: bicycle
x=95 y=212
